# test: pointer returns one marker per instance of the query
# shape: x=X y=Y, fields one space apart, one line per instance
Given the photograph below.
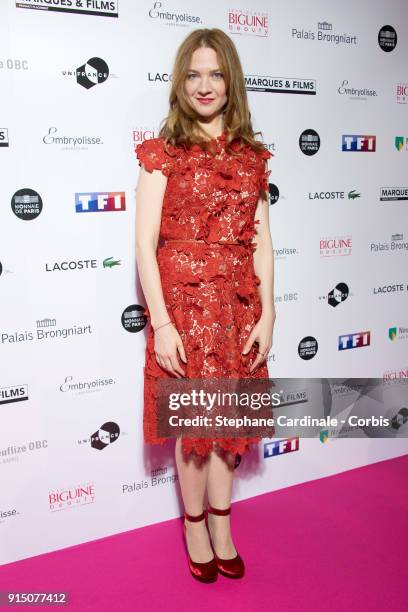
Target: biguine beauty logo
x=247 y=22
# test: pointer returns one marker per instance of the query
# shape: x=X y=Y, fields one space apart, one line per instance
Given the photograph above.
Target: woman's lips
x=205 y=100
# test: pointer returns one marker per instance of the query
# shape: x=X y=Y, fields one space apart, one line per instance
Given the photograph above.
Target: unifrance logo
x=358 y=143
x=356 y=340
x=111 y=201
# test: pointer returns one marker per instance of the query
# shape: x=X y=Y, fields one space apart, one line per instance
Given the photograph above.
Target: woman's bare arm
x=264 y=259
x=149 y=196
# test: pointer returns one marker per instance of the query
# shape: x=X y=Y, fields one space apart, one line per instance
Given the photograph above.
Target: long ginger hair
x=180 y=124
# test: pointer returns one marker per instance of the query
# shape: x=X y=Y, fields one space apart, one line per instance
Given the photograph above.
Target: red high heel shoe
x=205 y=572
x=231 y=568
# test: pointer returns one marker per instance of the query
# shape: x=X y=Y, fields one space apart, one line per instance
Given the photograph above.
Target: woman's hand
x=262 y=333
x=167 y=342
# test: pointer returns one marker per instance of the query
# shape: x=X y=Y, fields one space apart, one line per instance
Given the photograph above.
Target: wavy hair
x=180 y=123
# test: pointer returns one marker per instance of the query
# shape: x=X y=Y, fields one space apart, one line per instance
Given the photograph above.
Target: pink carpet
x=335 y=544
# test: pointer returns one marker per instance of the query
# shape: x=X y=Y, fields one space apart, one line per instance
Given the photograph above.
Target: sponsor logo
x=396 y=288
x=73 y=143
x=309 y=142
x=134 y=318
x=270 y=84
x=398 y=333
x=248 y=22
x=172 y=17
x=402 y=93
x=387 y=38
x=355 y=93
x=17 y=393
x=4 y=138
x=358 y=143
x=307 y=348
x=324 y=33
x=281 y=447
x=393 y=194
x=112 y=201
x=98 y=8
x=93 y=72
x=26 y=204
x=12 y=63
x=44 y=332
x=81 y=264
x=334 y=195
x=72 y=497
x=333 y=246
x=401 y=143
x=105 y=436
x=70 y=386
x=356 y=340
x=396 y=244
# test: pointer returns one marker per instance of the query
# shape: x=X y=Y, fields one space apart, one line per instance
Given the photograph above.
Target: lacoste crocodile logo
x=109 y=262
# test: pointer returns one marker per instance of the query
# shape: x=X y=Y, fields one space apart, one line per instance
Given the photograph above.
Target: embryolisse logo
x=70 y=142
x=355 y=93
x=172 y=17
x=70 y=385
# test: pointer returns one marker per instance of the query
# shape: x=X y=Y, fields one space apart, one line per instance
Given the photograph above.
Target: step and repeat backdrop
x=82 y=83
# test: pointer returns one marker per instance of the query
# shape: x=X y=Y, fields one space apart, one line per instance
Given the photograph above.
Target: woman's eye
x=218 y=75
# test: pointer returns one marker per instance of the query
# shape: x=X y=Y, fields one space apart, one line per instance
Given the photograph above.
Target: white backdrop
x=71 y=309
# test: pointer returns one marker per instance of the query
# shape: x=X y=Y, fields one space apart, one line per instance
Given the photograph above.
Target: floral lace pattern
x=210 y=289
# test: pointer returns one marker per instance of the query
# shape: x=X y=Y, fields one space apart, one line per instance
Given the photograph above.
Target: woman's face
x=205 y=85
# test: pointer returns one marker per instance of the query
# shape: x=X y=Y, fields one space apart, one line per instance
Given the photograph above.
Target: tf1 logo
x=281 y=447
x=363 y=144
x=357 y=340
x=112 y=201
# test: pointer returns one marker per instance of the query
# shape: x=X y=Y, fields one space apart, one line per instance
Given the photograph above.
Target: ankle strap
x=195 y=519
x=219 y=512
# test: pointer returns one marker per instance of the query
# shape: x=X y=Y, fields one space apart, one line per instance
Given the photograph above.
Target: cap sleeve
x=152 y=156
x=264 y=172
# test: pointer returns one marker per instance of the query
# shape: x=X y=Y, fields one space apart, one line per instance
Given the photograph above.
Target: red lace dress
x=210 y=289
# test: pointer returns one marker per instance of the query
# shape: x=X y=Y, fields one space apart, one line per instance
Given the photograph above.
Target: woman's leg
x=219 y=488
x=193 y=473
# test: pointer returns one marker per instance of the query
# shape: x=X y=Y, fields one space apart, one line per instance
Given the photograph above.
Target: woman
x=209 y=289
